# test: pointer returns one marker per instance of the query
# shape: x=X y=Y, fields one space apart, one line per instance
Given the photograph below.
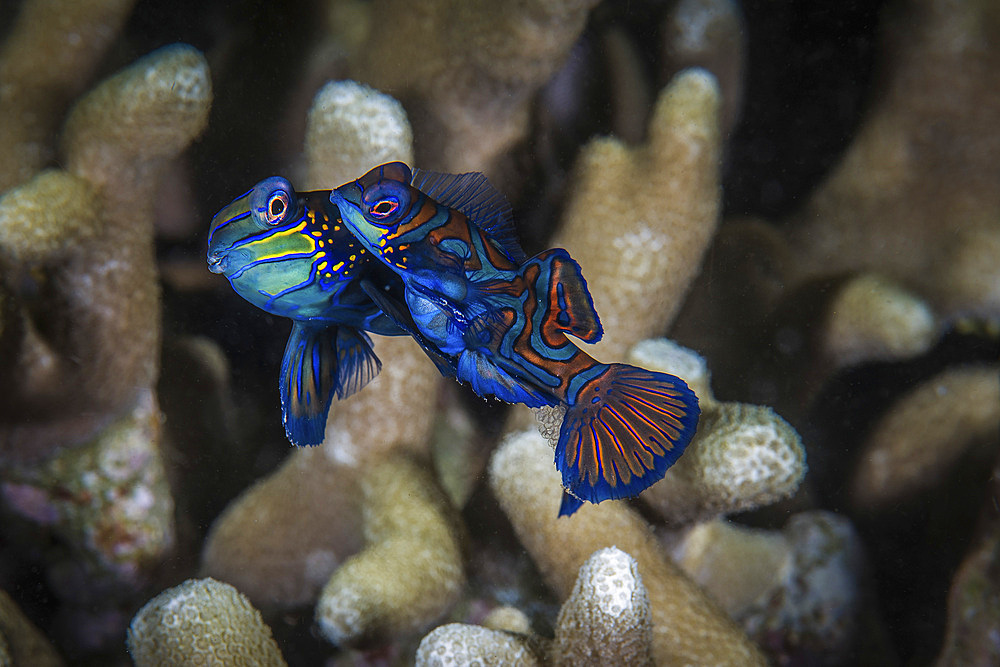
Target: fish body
x=289 y=254
x=501 y=322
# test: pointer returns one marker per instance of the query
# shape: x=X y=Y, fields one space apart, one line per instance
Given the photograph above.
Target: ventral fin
x=561 y=287
x=321 y=362
x=569 y=504
x=308 y=382
x=475 y=196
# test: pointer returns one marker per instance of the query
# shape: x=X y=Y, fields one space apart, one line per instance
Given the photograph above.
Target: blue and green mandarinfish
x=288 y=253
x=500 y=321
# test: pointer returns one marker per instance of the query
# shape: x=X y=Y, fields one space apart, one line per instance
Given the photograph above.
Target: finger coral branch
x=462 y=644
x=874 y=319
x=639 y=219
x=280 y=540
x=917 y=442
x=46 y=59
x=743 y=457
x=91 y=342
x=688 y=628
x=798 y=591
x=201 y=622
x=409 y=528
x=606 y=619
x=351 y=129
x=470 y=90
x=907 y=202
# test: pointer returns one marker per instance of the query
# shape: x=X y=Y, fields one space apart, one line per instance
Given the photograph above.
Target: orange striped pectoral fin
x=623 y=430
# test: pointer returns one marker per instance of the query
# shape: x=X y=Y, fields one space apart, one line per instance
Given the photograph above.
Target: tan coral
x=100 y=283
x=480 y=63
x=688 y=628
x=351 y=129
x=916 y=443
x=797 y=590
x=640 y=219
x=742 y=457
x=410 y=571
x=201 y=622
x=874 y=319
x=47 y=58
x=460 y=644
x=737 y=565
x=280 y=539
x=903 y=196
x=508 y=619
x=606 y=619
x=21 y=643
x=108 y=498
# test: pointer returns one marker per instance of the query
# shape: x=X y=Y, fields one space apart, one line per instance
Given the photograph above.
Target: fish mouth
x=216 y=263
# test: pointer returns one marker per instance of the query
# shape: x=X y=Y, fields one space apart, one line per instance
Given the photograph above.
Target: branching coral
x=469 y=92
x=66 y=40
x=409 y=528
x=640 y=219
x=742 y=457
x=461 y=644
x=873 y=319
x=108 y=499
x=797 y=591
x=201 y=622
x=913 y=203
x=80 y=432
x=88 y=341
x=606 y=619
x=919 y=440
x=687 y=626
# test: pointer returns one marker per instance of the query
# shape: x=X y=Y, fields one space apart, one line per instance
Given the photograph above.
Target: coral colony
x=154 y=513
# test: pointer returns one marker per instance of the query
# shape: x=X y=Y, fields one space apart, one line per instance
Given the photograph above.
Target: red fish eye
x=384 y=208
x=277 y=206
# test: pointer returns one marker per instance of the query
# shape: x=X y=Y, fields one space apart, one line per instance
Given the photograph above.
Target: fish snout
x=217 y=261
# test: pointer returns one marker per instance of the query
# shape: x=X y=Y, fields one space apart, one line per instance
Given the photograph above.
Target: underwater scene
x=360 y=333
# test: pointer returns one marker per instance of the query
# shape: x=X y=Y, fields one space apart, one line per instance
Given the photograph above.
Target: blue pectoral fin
x=625 y=427
x=401 y=316
x=308 y=382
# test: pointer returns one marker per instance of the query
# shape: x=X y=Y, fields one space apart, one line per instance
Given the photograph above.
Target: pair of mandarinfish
x=435 y=256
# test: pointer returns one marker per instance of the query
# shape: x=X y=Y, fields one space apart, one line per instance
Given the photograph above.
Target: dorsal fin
x=475 y=196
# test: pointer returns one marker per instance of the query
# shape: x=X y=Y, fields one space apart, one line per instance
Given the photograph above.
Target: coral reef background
x=805 y=200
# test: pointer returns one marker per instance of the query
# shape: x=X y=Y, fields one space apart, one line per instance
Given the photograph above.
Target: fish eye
x=271 y=201
x=277 y=204
x=385 y=201
x=384 y=208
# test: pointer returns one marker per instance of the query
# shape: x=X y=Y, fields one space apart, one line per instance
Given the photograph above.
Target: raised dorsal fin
x=475 y=196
